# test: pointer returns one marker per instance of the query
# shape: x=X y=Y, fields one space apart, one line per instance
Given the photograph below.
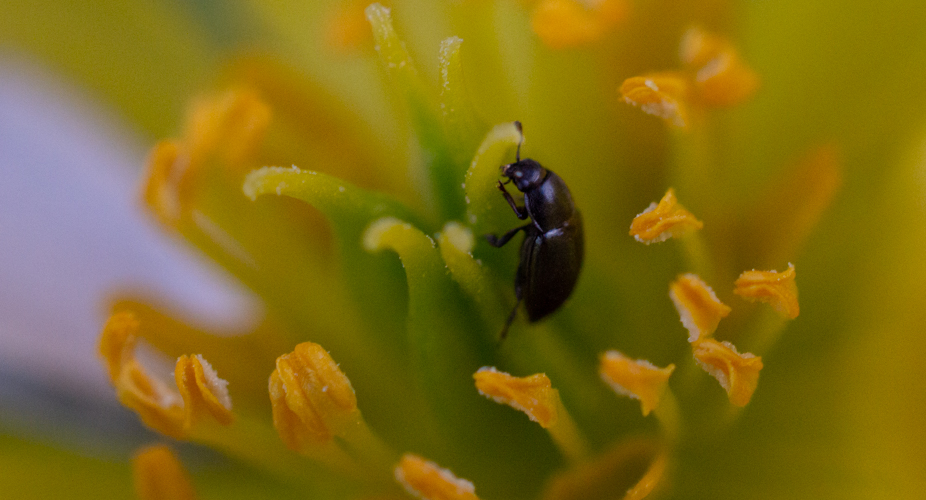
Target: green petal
x=350 y=210
x=456 y=244
x=464 y=129
x=436 y=324
x=486 y=209
x=442 y=172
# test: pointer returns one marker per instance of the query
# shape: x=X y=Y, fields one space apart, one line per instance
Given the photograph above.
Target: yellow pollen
x=309 y=395
x=697 y=305
x=533 y=395
x=720 y=76
x=159 y=475
x=572 y=23
x=428 y=481
x=637 y=379
x=664 y=220
x=663 y=95
x=776 y=289
x=203 y=392
x=737 y=373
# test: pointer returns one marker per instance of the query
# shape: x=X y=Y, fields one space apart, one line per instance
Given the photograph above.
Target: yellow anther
x=229 y=125
x=774 y=288
x=737 y=373
x=347 y=27
x=311 y=397
x=203 y=392
x=664 y=220
x=572 y=23
x=117 y=342
x=664 y=95
x=533 y=395
x=161 y=191
x=637 y=379
x=697 y=305
x=713 y=75
x=159 y=475
x=158 y=405
x=720 y=76
x=428 y=481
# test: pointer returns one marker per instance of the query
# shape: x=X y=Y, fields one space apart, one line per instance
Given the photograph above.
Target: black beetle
x=554 y=242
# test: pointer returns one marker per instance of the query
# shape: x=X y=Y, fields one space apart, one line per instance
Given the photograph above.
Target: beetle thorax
x=526 y=174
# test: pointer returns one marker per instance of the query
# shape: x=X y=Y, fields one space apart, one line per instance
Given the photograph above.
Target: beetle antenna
x=517 y=155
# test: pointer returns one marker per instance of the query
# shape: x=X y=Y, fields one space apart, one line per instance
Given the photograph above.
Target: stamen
x=697 y=305
x=117 y=342
x=203 y=392
x=621 y=468
x=663 y=95
x=161 y=190
x=777 y=289
x=663 y=221
x=228 y=127
x=713 y=76
x=307 y=383
x=158 y=406
x=159 y=475
x=737 y=373
x=572 y=23
x=428 y=481
x=720 y=76
x=535 y=396
x=313 y=401
x=650 y=480
x=637 y=379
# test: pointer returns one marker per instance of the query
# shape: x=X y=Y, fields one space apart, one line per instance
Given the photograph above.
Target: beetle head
x=526 y=174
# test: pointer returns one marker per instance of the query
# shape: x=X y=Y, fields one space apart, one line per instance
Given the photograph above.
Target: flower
x=383 y=301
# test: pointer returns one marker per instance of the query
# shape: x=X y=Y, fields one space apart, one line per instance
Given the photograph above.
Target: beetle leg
x=509 y=321
x=497 y=242
x=521 y=212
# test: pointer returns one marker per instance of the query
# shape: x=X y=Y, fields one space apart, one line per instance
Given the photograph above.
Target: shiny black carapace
x=554 y=242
